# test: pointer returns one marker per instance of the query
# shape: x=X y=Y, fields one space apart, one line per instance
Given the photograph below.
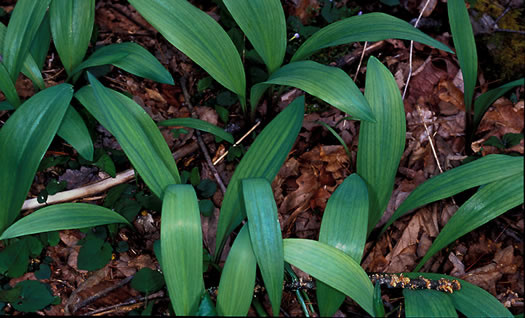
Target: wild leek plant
x=351 y=213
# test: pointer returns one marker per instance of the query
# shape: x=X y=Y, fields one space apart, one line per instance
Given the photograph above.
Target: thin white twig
x=412 y=48
x=237 y=143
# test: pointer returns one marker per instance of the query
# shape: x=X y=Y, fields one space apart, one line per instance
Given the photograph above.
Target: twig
x=429 y=139
x=102 y=293
x=411 y=49
x=138 y=302
x=237 y=143
x=509 y=31
x=203 y=147
x=360 y=60
x=101 y=186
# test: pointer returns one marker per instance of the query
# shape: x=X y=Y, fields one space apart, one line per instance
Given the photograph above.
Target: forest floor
x=490 y=257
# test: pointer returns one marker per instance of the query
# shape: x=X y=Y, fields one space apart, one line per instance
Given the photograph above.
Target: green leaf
x=483 y=102
x=71 y=25
x=136 y=133
x=334 y=133
x=463 y=39
x=106 y=164
x=181 y=246
x=333 y=267
x=484 y=170
x=75 y=132
x=22 y=146
x=471 y=300
x=10 y=295
x=41 y=42
x=381 y=144
x=8 y=88
x=489 y=202
x=64 y=216
x=428 y=303
x=94 y=254
x=264 y=24
x=263 y=159
x=367 y=27
x=335 y=88
x=265 y=235
x=147 y=281
x=34 y=296
x=200 y=125
x=344 y=227
x=22 y=28
x=238 y=277
x=206 y=307
x=14 y=258
x=130 y=57
x=198 y=36
x=379 y=308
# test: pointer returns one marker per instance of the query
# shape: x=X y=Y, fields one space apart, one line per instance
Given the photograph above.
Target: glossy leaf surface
x=200 y=125
x=428 y=303
x=22 y=146
x=64 y=216
x=381 y=144
x=367 y=27
x=265 y=235
x=136 y=133
x=181 y=245
x=264 y=24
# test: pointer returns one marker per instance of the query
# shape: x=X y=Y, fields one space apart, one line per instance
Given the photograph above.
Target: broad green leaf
x=181 y=246
x=483 y=102
x=130 y=57
x=330 y=84
x=22 y=146
x=23 y=25
x=29 y=67
x=484 y=170
x=333 y=267
x=237 y=277
x=71 y=25
x=428 y=303
x=262 y=160
x=7 y=87
x=344 y=227
x=265 y=235
x=147 y=281
x=200 y=125
x=41 y=41
x=367 y=27
x=198 y=36
x=136 y=133
x=379 y=308
x=75 y=132
x=264 y=24
x=381 y=144
x=489 y=202
x=471 y=300
x=463 y=39
x=64 y=216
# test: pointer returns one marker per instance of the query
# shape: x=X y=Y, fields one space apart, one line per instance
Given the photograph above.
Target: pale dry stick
x=103 y=185
x=429 y=138
x=360 y=60
x=203 y=147
x=412 y=48
x=237 y=143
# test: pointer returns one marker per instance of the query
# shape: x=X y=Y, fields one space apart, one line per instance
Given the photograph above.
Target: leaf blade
x=198 y=36
x=383 y=139
x=181 y=245
x=264 y=24
x=135 y=131
x=344 y=227
x=71 y=27
x=336 y=88
x=463 y=39
x=263 y=159
x=489 y=202
x=64 y=216
x=265 y=235
x=367 y=27
x=484 y=170
x=333 y=267
x=22 y=146
x=428 y=303
x=200 y=125
x=74 y=130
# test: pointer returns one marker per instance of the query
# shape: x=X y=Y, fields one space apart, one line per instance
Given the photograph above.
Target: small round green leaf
x=147 y=281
